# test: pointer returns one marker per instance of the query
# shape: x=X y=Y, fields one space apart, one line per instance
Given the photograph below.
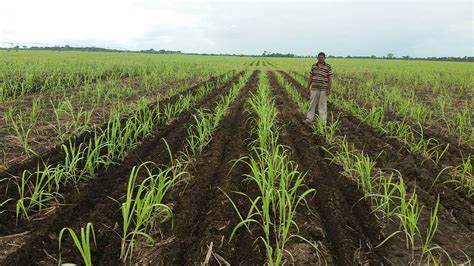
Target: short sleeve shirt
x=320 y=76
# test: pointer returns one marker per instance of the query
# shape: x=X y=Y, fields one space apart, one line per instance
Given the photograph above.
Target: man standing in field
x=319 y=87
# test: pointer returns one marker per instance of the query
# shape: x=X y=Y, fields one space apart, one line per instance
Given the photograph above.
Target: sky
x=417 y=28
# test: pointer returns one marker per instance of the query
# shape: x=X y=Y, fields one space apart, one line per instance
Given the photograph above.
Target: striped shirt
x=320 y=76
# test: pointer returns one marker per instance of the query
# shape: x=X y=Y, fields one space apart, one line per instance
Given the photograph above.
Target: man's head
x=321 y=57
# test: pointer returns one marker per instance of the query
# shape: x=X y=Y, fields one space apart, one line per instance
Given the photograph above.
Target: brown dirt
x=391 y=153
x=423 y=92
x=49 y=150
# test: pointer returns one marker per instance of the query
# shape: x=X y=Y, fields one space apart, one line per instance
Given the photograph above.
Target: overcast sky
x=415 y=28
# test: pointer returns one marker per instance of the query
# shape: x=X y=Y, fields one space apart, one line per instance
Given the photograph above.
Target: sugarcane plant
x=206 y=121
x=22 y=123
x=143 y=209
x=82 y=242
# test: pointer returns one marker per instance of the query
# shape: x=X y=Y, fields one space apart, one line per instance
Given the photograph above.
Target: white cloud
x=111 y=21
x=421 y=28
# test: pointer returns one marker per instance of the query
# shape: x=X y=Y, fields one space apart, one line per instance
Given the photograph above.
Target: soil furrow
x=44 y=135
x=426 y=95
x=456 y=214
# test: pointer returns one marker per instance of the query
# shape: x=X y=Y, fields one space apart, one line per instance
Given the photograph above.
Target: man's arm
x=310 y=79
x=329 y=84
x=329 y=77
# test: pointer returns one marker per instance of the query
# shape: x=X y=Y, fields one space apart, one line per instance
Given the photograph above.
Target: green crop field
x=130 y=158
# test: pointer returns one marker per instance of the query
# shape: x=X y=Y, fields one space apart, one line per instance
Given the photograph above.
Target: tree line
x=264 y=54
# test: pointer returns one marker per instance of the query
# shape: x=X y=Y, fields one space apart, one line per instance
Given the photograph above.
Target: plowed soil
x=336 y=218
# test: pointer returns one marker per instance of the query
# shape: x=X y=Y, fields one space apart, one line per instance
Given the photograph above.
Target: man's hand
x=308 y=93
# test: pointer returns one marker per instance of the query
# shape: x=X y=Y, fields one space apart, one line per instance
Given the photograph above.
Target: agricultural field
x=126 y=158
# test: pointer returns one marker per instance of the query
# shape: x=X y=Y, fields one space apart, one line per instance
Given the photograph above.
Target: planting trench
x=427 y=95
x=94 y=203
x=341 y=224
x=456 y=214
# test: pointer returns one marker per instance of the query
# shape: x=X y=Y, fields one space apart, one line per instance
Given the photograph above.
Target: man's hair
x=321 y=53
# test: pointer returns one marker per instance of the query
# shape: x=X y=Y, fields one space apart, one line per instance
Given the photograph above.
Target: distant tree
x=16 y=48
x=390 y=56
x=373 y=56
x=406 y=57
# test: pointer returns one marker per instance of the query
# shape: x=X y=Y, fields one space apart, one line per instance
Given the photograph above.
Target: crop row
x=430 y=78
x=457 y=123
x=143 y=208
x=439 y=90
x=435 y=96
x=281 y=188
